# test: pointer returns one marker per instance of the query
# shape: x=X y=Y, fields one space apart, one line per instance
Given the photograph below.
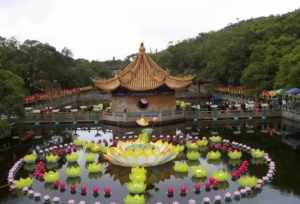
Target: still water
x=277 y=137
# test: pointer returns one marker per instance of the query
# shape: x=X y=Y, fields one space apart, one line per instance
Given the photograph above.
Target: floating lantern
x=243 y=192
x=130 y=199
x=259 y=181
x=258 y=186
x=37 y=196
x=193 y=155
x=218 y=199
x=25 y=190
x=215 y=139
x=56 y=184
x=248 y=190
x=83 y=190
x=72 y=172
x=191 y=201
x=62 y=186
x=213 y=155
x=212 y=182
x=192 y=146
x=71 y=202
x=202 y=143
x=95 y=190
x=198 y=171
x=107 y=191
x=56 y=199
x=183 y=190
x=207 y=186
x=237 y=195
x=73 y=188
x=51 y=176
x=46 y=198
x=235 y=154
x=30 y=158
x=265 y=179
x=247 y=181
x=206 y=200
x=180 y=167
x=197 y=187
x=94 y=168
x=30 y=193
x=170 y=191
x=257 y=154
x=227 y=196
x=21 y=183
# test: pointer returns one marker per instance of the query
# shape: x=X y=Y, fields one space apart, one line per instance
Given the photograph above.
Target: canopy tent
x=272 y=93
x=268 y=93
x=233 y=89
x=279 y=92
x=293 y=91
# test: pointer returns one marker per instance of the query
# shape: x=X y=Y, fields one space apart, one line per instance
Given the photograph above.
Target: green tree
x=289 y=69
x=11 y=94
x=248 y=53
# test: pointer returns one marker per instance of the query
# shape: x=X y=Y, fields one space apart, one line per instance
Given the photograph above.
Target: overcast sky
x=101 y=29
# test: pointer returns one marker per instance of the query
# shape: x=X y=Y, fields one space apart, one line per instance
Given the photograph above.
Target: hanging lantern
x=143 y=103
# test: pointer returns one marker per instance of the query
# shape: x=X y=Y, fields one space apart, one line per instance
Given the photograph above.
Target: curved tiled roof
x=142 y=74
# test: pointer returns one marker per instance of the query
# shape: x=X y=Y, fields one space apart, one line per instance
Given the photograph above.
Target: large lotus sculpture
x=137 y=153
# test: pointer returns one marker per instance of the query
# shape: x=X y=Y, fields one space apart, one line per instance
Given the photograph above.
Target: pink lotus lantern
x=95 y=190
x=197 y=187
x=56 y=184
x=83 y=189
x=107 y=191
x=212 y=182
x=73 y=188
x=62 y=186
x=170 y=191
x=183 y=190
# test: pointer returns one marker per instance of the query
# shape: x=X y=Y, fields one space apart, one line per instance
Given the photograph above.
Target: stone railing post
x=124 y=117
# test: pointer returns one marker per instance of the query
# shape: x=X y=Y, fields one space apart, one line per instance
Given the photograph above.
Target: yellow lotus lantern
x=136 y=153
x=142 y=122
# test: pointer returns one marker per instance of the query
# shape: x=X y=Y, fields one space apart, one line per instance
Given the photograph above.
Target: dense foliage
x=11 y=94
x=42 y=67
x=35 y=67
x=261 y=53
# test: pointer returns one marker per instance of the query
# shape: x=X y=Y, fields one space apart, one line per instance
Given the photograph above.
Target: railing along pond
x=84 y=116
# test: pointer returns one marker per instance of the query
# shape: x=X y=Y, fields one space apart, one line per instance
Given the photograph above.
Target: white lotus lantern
x=137 y=153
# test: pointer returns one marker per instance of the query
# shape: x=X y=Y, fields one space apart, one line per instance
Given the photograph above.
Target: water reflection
x=278 y=137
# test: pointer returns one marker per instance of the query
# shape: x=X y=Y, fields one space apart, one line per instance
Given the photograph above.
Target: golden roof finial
x=142 y=48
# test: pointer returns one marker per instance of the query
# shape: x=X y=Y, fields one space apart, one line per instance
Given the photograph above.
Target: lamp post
x=154 y=120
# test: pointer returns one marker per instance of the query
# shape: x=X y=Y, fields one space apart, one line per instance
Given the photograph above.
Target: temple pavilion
x=143 y=86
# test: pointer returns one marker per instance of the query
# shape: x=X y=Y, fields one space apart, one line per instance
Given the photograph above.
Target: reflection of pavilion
x=294 y=143
x=158 y=130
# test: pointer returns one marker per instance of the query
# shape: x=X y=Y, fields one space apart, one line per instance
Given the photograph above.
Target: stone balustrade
x=131 y=117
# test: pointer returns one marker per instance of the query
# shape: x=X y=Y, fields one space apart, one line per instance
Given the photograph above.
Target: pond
x=278 y=138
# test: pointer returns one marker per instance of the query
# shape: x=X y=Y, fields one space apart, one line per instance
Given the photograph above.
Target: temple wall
x=156 y=103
